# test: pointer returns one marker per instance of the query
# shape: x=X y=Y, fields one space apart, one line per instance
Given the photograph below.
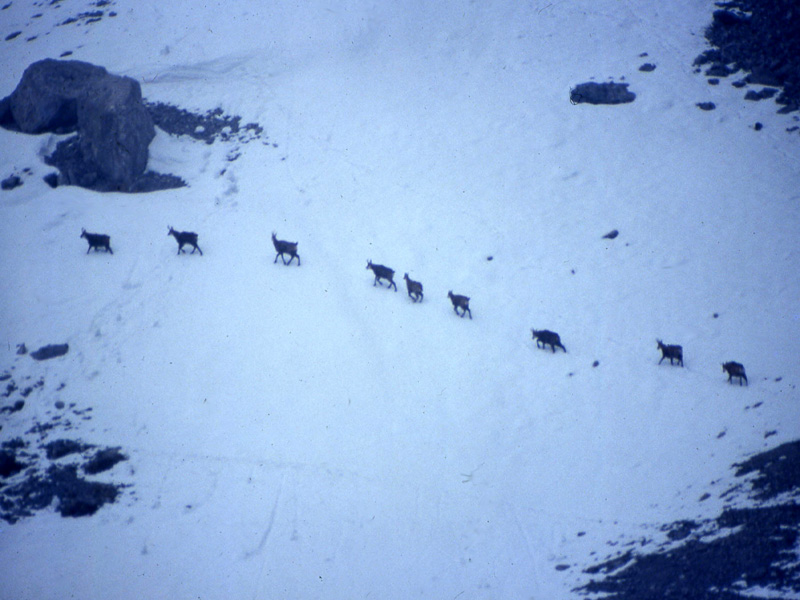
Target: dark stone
x=763 y=77
x=51 y=351
x=647 y=67
x=719 y=70
x=114 y=129
x=60 y=448
x=11 y=36
x=601 y=93
x=21 y=349
x=6 y=118
x=709 y=56
x=611 y=235
x=762 y=95
x=727 y=18
x=51 y=179
x=758 y=126
x=706 y=105
x=9 y=465
x=104 y=460
x=46 y=98
x=680 y=530
x=10 y=182
x=150 y=181
x=16 y=407
x=713 y=81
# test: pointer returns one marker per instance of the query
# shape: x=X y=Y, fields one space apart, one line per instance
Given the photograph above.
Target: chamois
x=672 y=352
x=414 y=288
x=283 y=247
x=735 y=369
x=461 y=302
x=183 y=238
x=547 y=338
x=382 y=272
x=97 y=241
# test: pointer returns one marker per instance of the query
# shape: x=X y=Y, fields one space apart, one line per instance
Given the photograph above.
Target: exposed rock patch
x=742 y=552
x=11 y=182
x=50 y=351
x=761 y=38
x=112 y=125
x=601 y=93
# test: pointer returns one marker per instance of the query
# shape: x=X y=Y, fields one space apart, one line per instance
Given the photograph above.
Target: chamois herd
x=542 y=337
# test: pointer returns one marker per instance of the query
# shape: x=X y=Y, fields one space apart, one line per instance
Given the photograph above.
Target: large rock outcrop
x=112 y=125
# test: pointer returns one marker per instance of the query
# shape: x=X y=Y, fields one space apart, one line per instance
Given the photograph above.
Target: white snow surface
x=298 y=433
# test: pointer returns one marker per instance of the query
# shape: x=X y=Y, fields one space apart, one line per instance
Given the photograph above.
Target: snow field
x=297 y=432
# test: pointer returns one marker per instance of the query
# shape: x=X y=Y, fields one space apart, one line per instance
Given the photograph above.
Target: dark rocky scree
x=720 y=559
x=35 y=470
x=761 y=38
x=97 y=10
x=207 y=127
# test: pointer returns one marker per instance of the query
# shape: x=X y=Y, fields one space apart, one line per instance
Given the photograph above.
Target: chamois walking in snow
x=546 y=338
x=97 y=241
x=382 y=272
x=461 y=302
x=283 y=247
x=414 y=288
x=735 y=369
x=672 y=352
x=183 y=238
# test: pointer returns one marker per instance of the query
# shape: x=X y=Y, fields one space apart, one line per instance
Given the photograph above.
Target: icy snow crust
x=298 y=433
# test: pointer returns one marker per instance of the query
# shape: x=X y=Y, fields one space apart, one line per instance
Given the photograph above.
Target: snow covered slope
x=298 y=433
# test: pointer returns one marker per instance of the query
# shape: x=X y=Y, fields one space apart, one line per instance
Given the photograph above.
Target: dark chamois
x=461 y=302
x=183 y=238
x=97 y=241
x=672 y=352
x=283 y=247
x=414 y=288
x=735 y=369
x=547 y=338
x=382 y=272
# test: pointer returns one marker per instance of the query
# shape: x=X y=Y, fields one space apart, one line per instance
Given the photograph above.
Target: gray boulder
x=113 y=126
x=601 y=93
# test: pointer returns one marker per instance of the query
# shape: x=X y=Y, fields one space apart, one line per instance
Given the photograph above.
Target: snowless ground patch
x=742 y=548
x=48 y=467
